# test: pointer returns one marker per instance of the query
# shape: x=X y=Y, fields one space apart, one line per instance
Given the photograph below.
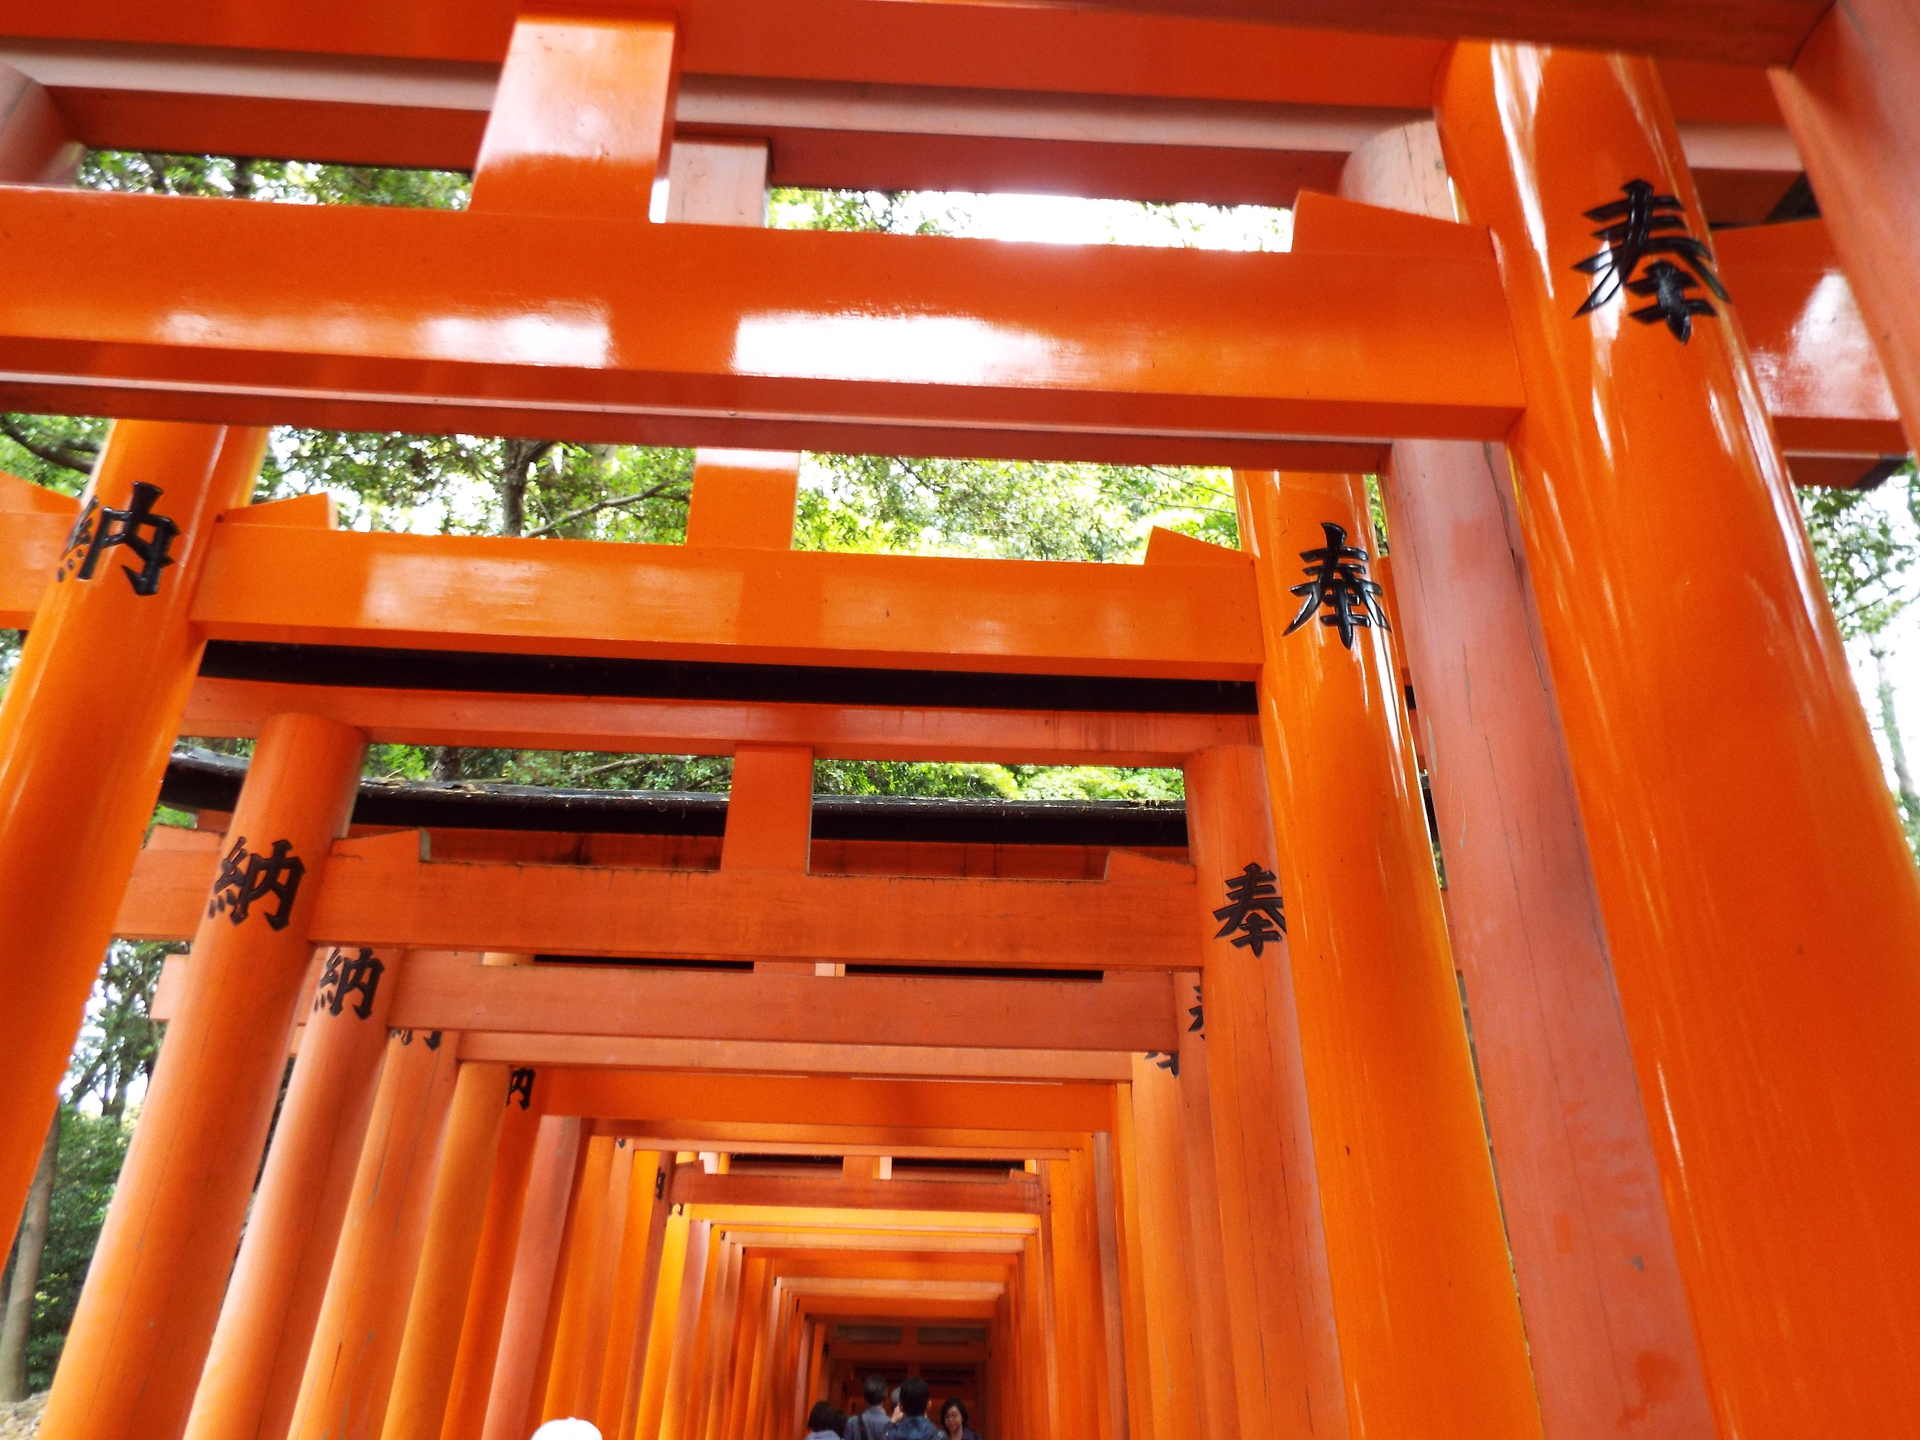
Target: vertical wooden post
x=36 y=148
x=146 y=1317
x=1613 y=1351
x=1429 y=1326
x=1218 y=1383
x=663 y=1410
x=660 y=1275
x=663 y=1341
x=493 y=1269
x=1149 y=1405
x=538 y=157
x=357 y=1340
x=85 y=730
x=536 y=1258
x=1280 y=1304
x=632 y=1291
x=579 y=1281
x=1848 y=99
x=259 y=1350
x=437 y=1308
x=1166 y=1259
x=1760 y=900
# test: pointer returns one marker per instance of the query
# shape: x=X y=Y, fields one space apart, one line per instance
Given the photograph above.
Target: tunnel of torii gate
x=679 y=1114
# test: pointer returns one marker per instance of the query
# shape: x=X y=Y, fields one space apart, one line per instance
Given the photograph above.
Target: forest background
x=1868 y=545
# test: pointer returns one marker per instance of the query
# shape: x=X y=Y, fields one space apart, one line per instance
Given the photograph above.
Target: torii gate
x=1635 y=543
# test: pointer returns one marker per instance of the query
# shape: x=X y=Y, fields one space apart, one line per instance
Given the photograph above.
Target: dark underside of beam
x=197 y=780
x=489 y=673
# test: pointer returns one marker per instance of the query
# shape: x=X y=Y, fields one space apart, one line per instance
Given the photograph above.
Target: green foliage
x=92 y=1148
x=120 y=1039
x=297 y=182
x=1867 y=543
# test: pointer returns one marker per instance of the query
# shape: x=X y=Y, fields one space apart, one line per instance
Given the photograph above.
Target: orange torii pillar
x=585 y=1297
x=85 y=731
x=1157 y=1231
x=491 y=1290
x=1217 y=1383
x=1760 y=900
x=1429 y=1326
x=140 y=1335
x=550 y=1183
x=1286 y=1354
x=436 y=1312
x=1848 y=99
x=643 y=1417
x=1613 y=1351
x=357 y=1338
x=259 y=1348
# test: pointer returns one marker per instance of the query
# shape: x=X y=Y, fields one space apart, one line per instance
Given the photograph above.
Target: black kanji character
x=1337 y=580
x=1642 y=225
x=433 y=1039
x=1198 y=1010
x=79 y=540
x=1254 y=913
x=1668 y=284
x=520 y=1082
x=343 y=976
x=1167 y=1060
x=246 y=877
x=100 y=528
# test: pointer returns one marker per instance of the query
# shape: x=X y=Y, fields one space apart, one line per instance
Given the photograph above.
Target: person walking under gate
x=824 y=1421
x=871 y=1423
x=913 y=1423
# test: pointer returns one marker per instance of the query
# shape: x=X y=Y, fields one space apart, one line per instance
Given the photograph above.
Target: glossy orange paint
x=85 y=729
x=1286 y=1353
x=1430 y=1333
x=1846 y=100
x=670 y=601
x=357 y=1340
x=1607 y=1324
x=456 y=1220
x=146 y=1317
x=581 y=123
x=698 y=727
x=487 y=1298
x=1216 y=1365
x=1149 y=1138
x=744 y=498
x=1813 y=354
x=370 y=317
x=252 y=1375
x=556 y=1159
x=1766 y=982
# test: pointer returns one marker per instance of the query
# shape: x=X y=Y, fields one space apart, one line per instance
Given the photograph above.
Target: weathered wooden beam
x=237 y=708
x=796 y=1106
x=776 y=1057
x=926 y=1142
x=449 y=993
x=692 y=1187
x=379 y=891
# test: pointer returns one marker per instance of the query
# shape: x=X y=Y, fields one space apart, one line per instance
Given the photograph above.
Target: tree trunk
x=26 y=1271
x=1890 y=723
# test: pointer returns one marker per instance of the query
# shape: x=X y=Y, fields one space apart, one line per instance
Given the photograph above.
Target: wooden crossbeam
x=1240 y=49
x=692 y=1187
x=238 y=708
x=799 y=1106
x=777 y=1057
x=368 y=318
x=449 y=993
x=674 y=602
x=379 y=891
x=925 y=1142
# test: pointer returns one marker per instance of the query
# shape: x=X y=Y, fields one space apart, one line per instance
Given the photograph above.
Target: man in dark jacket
x=871 y=1423
x=913 y=1423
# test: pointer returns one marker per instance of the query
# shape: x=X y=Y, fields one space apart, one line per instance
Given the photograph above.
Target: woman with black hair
x=953 y=1421
x=824 y=1422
